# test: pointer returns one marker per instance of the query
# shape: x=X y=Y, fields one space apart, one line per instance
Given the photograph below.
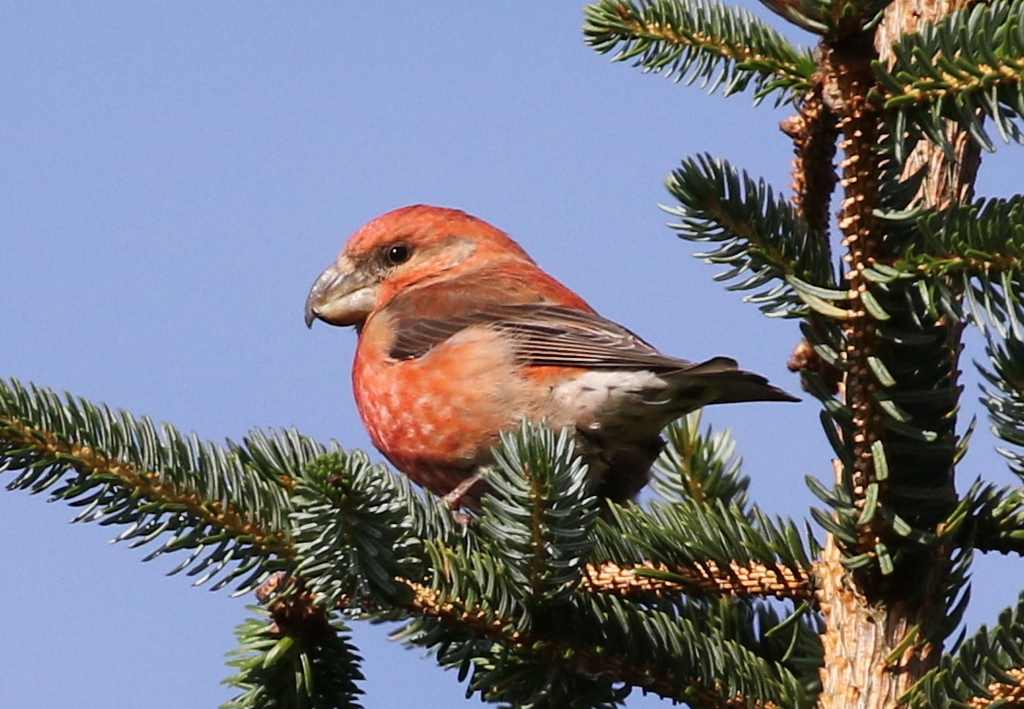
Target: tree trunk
x=870 y=658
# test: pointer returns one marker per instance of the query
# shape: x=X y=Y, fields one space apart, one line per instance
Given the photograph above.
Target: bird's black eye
x=399 y=253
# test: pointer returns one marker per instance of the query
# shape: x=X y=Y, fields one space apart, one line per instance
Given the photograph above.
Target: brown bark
x=860 y=637
x=881 y=634
x=752 y=580
x=945 y=181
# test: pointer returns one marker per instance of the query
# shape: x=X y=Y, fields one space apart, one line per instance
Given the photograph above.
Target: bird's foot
x=458 y=505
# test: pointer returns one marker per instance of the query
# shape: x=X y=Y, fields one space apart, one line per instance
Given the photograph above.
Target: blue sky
x=173 y=177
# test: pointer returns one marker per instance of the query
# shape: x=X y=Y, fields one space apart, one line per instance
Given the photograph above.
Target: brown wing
x=544 y=334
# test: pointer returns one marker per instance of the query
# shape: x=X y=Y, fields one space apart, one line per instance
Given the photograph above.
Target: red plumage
x=462 y=336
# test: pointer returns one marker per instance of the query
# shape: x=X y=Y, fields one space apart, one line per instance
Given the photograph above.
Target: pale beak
x=342 y=295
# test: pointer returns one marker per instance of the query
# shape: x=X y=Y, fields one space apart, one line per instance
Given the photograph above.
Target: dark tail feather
x=745 y=386
x=727 y=384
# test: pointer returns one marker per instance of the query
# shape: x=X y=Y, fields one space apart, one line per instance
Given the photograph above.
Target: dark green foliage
x=788 y=637
x=768 y=247
x=994 y=518
x=543 y=677
x=542 y=513
x=174 y=487
x=704 y=515
x=534 y=682
x=980 y=661
x=917 y=393
x=967 y=68
x=898 y=193
x=352 y=532
x=978 y=240
x=761 y=238
x=308 y=666
x=565 y=630
x=686 y=532
x=525 y=553
x=701 y=467
x=722 y=46
x=830 y=17
x=676 y=649
x=1004 y=398
x=697 y=646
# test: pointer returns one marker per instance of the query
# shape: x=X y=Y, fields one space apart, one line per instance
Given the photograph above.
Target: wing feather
x=544 y=335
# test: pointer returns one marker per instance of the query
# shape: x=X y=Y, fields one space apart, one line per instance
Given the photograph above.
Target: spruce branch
x=352 y=532
x=762 y=238
x=698 y=39
x=987 y=667
x=897 y=423
x=894 y=429
x=967 y=67
x=525 y=552
x=159 y=484
x=697 y=654
x=334 y=498
x=1004 y=397
x=701 y=467
x=969 y=240
x=738 y=581
x=464 y=637
x=994 y=518
x=295 y=655
x=898 y=510
x=849 y=61
x=481 y=603
x=542 y=512
x=690 y=534
x=1006 y=693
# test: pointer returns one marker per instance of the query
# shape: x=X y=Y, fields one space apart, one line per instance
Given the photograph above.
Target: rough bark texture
x=814 y=131
x=869 y=617
x=849 y=61
x=945 y=181
x=860 y=637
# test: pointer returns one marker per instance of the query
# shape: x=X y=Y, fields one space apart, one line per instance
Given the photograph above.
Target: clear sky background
x=173 y=177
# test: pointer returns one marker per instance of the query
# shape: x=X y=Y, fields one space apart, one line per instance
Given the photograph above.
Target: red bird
x=462 y=336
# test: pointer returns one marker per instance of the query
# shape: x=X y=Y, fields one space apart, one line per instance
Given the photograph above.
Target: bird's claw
x=455 y=502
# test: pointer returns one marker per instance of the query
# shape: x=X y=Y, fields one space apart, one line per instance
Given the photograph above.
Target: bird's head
x=409 y=246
